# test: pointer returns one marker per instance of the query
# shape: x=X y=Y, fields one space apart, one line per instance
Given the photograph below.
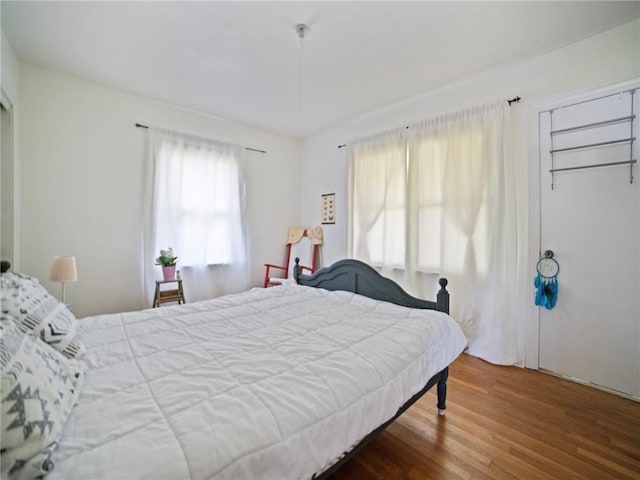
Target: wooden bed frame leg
x=442 y=391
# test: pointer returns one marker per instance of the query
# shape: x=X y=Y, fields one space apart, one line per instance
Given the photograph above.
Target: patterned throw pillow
x=39 y=388
x=34 y=309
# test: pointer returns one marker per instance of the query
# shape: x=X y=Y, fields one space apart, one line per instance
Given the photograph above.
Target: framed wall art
x=328 y=208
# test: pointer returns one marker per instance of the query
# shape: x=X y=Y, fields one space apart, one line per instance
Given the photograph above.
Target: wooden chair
x=303 y=243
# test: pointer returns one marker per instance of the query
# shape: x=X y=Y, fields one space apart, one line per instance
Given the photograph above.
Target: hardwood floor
x=506 y=423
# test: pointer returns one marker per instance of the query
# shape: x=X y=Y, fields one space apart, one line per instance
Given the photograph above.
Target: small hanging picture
x=328 y=208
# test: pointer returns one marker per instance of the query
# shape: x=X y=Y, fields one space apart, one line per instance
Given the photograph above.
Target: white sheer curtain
x=195 y=205
x=440 y=199
x=377 y=205
x=464 y=208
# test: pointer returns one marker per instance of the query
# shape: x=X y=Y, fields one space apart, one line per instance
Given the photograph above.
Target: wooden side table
x=168 y=296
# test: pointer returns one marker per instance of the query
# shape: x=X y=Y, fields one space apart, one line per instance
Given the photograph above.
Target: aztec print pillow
x=17 y=289
x=34 y=309
x=39 y=388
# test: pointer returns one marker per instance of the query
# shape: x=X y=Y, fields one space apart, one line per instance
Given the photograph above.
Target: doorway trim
x=5 y=100
x=9 y=107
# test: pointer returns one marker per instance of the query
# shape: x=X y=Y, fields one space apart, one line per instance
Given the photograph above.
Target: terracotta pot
x=169 y=273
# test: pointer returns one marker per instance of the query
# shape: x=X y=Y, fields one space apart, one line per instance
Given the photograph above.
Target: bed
x=276 y=383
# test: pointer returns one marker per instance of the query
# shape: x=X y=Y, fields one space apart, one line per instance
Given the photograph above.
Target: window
x=378 y=200
x=199 y=201
x=441 y=197
x=423 y=197
x=196 y=200
x=449 y=186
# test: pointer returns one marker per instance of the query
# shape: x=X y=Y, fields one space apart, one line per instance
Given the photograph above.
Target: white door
x=590 y=219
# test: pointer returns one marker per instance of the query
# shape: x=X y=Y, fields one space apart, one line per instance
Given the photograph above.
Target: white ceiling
x=239 y=60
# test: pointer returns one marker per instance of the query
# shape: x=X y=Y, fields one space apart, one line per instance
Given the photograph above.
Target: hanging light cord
x=300 y=47
x=301 y=29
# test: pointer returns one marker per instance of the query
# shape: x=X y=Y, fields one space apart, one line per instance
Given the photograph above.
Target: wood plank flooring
x=506 y=423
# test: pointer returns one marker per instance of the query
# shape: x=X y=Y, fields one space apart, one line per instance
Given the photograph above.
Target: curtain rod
x=510 y=101
x=140 y=125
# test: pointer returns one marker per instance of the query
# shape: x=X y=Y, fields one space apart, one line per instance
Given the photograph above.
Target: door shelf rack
x=631 y=161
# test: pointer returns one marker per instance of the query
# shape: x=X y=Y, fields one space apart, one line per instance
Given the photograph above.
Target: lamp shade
x=63 y=269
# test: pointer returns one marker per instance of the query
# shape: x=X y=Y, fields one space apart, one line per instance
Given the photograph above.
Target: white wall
x=611 y=57
x=82 y=167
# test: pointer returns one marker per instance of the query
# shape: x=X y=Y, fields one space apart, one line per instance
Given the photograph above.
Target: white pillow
x=18 y=289
x=34 y=309
x=39 y=388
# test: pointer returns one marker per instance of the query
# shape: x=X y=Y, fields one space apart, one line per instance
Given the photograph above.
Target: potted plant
x=168 y=262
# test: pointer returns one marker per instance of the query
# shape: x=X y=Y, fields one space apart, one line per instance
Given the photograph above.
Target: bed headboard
x=358 y=277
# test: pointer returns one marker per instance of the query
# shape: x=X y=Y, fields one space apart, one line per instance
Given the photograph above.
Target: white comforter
x=268 y=384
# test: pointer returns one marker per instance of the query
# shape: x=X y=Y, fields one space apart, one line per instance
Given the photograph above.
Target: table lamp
x=63 y=269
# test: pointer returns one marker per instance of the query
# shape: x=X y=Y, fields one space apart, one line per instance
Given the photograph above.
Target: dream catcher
x=546 y=282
